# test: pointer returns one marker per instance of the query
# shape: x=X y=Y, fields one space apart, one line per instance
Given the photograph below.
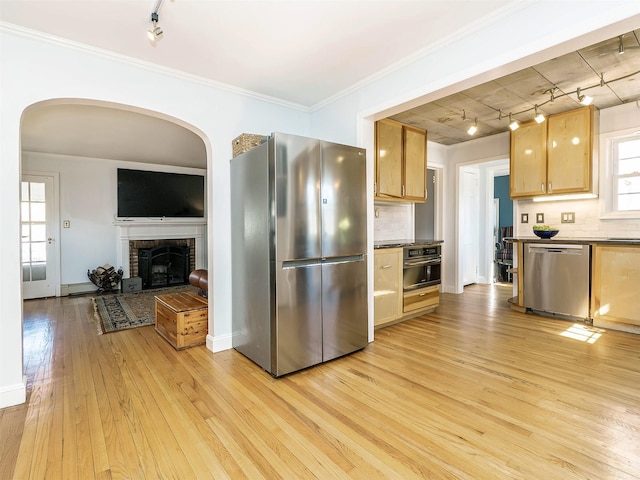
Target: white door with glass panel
x=39 y=252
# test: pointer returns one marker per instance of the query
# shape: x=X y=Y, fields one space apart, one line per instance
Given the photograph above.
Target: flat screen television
x=143 y=193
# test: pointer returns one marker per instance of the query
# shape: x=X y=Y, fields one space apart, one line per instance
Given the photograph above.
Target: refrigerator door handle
x=344 y=259
x=309 y=262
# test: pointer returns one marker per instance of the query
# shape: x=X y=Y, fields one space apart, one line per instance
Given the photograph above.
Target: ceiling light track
x=579 y=93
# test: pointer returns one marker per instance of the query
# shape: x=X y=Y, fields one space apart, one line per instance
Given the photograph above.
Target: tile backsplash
x=393 y=221
x=587 y=222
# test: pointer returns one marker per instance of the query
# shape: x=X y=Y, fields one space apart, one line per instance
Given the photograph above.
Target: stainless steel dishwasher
x=557 y=278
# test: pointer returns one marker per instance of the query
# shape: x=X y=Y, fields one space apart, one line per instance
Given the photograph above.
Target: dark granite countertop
x=579 y=241
x=405 y=243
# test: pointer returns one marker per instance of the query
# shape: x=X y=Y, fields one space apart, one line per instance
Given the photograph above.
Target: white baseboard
x=76 y=288
x=14 y=394
x=219 y=343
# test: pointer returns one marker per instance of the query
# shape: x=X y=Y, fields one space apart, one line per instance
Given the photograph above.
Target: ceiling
x=448 y=119
x=324 y=47
x=299 y=51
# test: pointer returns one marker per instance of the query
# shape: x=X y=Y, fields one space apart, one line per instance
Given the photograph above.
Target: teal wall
x=501 y=191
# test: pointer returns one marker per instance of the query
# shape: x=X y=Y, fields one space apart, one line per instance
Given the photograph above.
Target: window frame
x=609 y=176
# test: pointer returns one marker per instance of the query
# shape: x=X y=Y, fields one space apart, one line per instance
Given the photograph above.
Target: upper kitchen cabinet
x=554 y=157
x=569 y=151
x=401 y=162
x=528 y=163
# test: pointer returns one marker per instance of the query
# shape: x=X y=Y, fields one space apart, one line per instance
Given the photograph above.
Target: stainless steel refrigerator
x=298 y=231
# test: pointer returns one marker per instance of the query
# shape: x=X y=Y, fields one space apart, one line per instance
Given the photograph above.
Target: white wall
x=33 y=71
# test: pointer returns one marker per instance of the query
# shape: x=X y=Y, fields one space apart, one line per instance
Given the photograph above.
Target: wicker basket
x=245 y=142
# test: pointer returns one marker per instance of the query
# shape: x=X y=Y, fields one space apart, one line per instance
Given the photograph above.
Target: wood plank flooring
x=471 y=391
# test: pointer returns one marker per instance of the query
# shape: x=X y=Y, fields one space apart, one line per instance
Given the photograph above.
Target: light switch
x=524 y=218
x=568 y=217
x=539 y=217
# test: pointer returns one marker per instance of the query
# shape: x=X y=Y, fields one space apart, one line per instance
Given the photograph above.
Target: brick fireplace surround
x=144 y=234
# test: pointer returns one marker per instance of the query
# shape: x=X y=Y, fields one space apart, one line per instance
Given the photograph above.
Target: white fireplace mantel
x=159 y=230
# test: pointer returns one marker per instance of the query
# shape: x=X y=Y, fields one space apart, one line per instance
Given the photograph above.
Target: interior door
x=469 y=226
x=39 y=249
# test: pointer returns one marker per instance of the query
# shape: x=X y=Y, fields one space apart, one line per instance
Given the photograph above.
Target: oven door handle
x=423 y=262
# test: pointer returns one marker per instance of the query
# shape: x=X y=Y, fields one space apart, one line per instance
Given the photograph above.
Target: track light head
x=513 y=124
x=621 y=45
x=539 y=118
x=473 y=128
x=155 y=33
x=583 y=99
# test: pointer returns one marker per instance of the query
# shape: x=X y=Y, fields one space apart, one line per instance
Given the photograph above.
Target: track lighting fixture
x=539 y=118
x=155 y=33
x=473 y=128
x=584 y=99
x=621 y=45
x=513 y=124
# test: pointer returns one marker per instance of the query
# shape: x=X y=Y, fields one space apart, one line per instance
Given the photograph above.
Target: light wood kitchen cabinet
x=569 y=151
x=387 y=285
x=528 y=160
x=423 y=299
x=401 y=162
x=614 y=287
x=554 y=157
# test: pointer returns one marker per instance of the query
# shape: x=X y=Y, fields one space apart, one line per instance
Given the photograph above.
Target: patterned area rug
x=130 y=310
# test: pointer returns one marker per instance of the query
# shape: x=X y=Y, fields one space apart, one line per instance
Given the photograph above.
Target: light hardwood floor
x=472 y=391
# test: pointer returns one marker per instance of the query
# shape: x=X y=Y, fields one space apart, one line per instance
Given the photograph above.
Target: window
x=625 y=168
x=620 y=175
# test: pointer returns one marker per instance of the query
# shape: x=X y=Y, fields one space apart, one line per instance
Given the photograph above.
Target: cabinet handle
x=550 y=189
x=422 y=295
x=375 y=188
x=542 y=187
x=403 y=194
x=386 y=266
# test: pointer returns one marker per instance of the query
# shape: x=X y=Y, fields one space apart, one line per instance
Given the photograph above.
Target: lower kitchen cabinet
x=614 y=290
x=389 y=303
x=418 y=300
x=387 y=285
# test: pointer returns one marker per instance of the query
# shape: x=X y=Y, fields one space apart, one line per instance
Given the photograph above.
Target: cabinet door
x=616 y=276
x=569 y=151
x=528 y=163
x=415 y=164
x=387 y=285
x=388 y=159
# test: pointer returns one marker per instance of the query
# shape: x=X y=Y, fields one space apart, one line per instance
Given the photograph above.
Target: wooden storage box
x=182 y=319
x=245 y=142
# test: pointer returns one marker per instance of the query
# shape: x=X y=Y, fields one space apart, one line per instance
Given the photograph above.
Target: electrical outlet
x=66 y=224
x=539 y=217
x=568 y=217
x=524 y=218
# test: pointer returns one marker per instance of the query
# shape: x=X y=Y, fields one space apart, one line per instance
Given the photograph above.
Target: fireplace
x=162 y=262
x=135 y=236
x=163 y=266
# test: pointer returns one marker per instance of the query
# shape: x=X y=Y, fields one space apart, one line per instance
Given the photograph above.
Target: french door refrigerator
x=298 y=231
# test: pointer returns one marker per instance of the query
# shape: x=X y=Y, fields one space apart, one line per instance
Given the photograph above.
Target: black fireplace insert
x=163 y=266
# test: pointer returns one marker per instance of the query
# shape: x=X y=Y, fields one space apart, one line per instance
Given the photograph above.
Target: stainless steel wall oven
x=421 y=267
